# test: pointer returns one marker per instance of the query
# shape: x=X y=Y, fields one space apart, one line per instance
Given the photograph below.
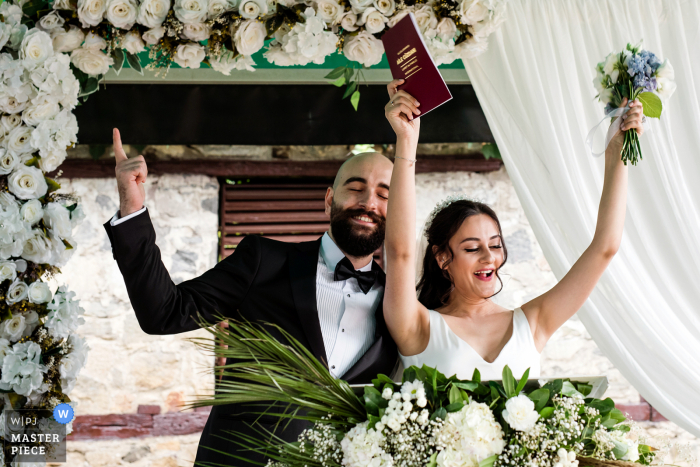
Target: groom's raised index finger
x=119 y=153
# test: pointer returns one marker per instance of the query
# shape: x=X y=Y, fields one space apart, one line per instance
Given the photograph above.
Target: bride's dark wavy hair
x=436 y=285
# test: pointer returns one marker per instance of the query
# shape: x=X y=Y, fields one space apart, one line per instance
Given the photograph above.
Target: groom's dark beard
x=354 y=239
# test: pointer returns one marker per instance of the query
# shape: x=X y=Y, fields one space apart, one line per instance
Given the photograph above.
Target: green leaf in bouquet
x=620 y=449
x=489 y=461
x=584 y=388
x=476 y=377
x=118 y=57
x=455 y=406
x=608 y=422
x=466 y=385
x=382 y=379
x=490 y=151
x=409 y=374
x=53 y=184
x=603 y=406
x=617 y=415
x=523 y=382
x=440 y=413
x=134 y=62
x=540 y=397
x=348 y=74
x=355 y=99
x=651 y=104
x=373 y=398
x=339 y=82
x=508 y=382
x=433 y=460
x=455 y=395
x=546 y=412
x=465 y=396
x=352 y=85
x=568 y=389
x=554 y=386
x=373 y=421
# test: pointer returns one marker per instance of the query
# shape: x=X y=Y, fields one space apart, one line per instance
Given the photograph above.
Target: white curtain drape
x=535 y=84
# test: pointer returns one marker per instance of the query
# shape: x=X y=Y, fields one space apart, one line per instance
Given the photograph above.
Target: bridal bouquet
x=634 y=73
x=427 y=420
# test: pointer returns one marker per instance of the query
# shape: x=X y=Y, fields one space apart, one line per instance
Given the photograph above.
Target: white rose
x=27 y=182
x=62 y=5
x=348 y=21
x=189 y=55
x=152 y=13
x=196 y=31
x=401 y=14
x=36 y=48
x=251 y=9
x=385 y=7
x=67 y=41
x=18 y=141
x=133 y=42
x=21 y=265
x=10 y=122
x=13 y=329
x=57 y=219
x=373 y=20
x=16 y=292
x=216 y=8
x=358 y=6
x=250 y=37
x=95 y=42
x=122 y=13
x=91 y=61
x=39 y=292
x=190 y=11
x=8 y=162
x=329 y=10
x=472 y=11
x=8 y=271
x=610 y=69
x=43 y=108
x=426 y=18
x=152 y=36
x=91 y=12
x=446 y=29
x=11 y=105
x=51 y=21
x=364 y=48
x=37 y=248
x=50 y=160
x=520 y=413
x=665 y=84
x=32 y=211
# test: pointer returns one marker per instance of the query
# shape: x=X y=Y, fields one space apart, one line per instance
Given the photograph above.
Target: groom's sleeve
x=165 y=308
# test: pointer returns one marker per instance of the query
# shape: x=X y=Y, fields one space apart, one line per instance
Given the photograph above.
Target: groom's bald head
x=361 y=164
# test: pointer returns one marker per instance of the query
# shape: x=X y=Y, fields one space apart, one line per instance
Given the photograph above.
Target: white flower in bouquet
x=275 y=54
x=91 y=12
x=18 y=142
x=77 y=216
x=16 y=292
x=309 y=41
x=329 y=10
x=5 y=346
x=43 y=108
x=36 y=47
x=91 y=61
x=122 y=13
x=152 y=13
x=32 y=211
x=12 y=105
x=364 y=48
x=520 y=413
x=610 y=67
x=362 y=447
x=624 y=439
x=13 y=30
x=473 y=432
x=57 y=219
x=565 y=458
x=401 y=14
x=665 y=84
x=22 y=371
x=31 y=319
x=216 y=8
x=95 y=42
x=12 y=329
x=8 y=271
x=190 y=11
x=39 y=292
x=196 y=31
x=411 y=390
x=358 y=6
x=51 y=159
x=13 y=232
x=133 y=43
x=251 y=9
x=56 y=134
x=372 y=20
x=51 y=21
x=189 y=55
x=471 y=48
x=473 y=11
x=152 y=36
x=60 y=253
x=72 y=363
x=65 y=314
x=348 y=21
x=8 y=161
x=446 y=29
x=250 y=37
x=226 y=62
x=385 y=7
x=38 y=248
x=61 y=81
x=10 y=122
x=426 y=18
x=441 y=51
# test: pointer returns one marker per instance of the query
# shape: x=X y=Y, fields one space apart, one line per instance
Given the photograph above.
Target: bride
x=454 y=325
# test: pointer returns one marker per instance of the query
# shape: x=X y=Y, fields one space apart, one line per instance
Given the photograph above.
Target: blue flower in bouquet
x=652 y=60
x=635 y=66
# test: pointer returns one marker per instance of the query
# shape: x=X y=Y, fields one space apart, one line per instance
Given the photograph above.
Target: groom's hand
x=402 y=111
x=131 y=175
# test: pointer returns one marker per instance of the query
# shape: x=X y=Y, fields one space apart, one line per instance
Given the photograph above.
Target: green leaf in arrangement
x=554 y=386
x=584 y=389
x=433 y=460
x=134 y=62
x=540 y=397
x=118 y=58
x=339 y=82
x=546 y=412
x=335 y=74
x=652 y=104
x=508 y=382
x=32 y=7
x=469 y=386
x=568 y=389
x=440 y=413
x=476 y=377
x=352 y=85
x=53 y=184
x=382 y=379
x=455 y=406
x=355 y=99
x=89 y=86
x=348 y=73
x=455 y=395
x=489 y=461
x=523 y=382
x=490 y=151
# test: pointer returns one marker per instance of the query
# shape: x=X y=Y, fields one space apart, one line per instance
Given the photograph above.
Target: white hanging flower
x=446 y=29
x=196 y=31
x=426 y=18
x=249 y=37
x=8 y=271
x=473 y=11
x=152 y=36
x=32 y=211
x=251 y=9
x=51 y=21
x=36 y=47
x=91 y=61
x=91 y=12
x=72 y=363
x=93 y=41
x=133 y=43
x=216 y=8
x=152 y=13
x=364 y=48
x=16 y=292
x=373 y=20
x=358 y=6
x=348 y=21
x=57 y=219
x=191 y=11
x=226 y=62
x=122 y=13
x=27 y=182
x=12 y=329
x=43 y=108
x=65 y=314
x=362 y=447
x=19 y=140
x=38 y=248
x=189 y=55
x=39 y=292
x=520 y=413
x=329 y=10
x=21 y=370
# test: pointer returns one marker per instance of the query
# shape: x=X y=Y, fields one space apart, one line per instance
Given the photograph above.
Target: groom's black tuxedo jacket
x=264 y=281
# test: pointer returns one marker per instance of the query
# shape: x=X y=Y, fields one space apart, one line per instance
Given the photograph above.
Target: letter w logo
x=63 y=413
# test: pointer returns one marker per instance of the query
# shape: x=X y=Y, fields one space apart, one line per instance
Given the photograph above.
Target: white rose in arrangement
x=441 y=51
x=8 y=271
x=249 y=37
x=152 y=13
x=196 y=31
x=364 y=48
x=473 y=11
x=5 y=346
x=51 y=159
x=92 y=62
x=362 y=447
x=12 y=105
x=60 y=252
x=65 y=314
x=12 y=329
x=18 y=142
x=399 y=16
x=216 y=8
x=16 y=292
x=190 y=11
x=8 y=162
x=189 y=55
x=21 y=265
x=385 y=7
x=72 y=363
x=22 y=371
x=32 y=211
x=62 y=5
x=10 y=122
x=426 y=18
x=95 y=42
x=39 y=292
x=152 y=36
x=348 y=21
x=446 y=29
x=57 y=219
x=133 y=43
x=329 y=10
x=38 y=248
x=358 y=6
x=27 y=182
x=520 y=413
x=36 y=48
x=473 y=432
x=43 y=108
x=665 y=84
x=122 y=13
x=67 y=41
x=251 y=9
x=91 y=12
x=51 y=21
x=373 y=20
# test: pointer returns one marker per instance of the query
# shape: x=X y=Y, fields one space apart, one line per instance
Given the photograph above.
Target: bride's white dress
x=451 y=355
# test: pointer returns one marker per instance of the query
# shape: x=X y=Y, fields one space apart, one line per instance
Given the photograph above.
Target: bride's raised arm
x=549 y=311
x=407 y=320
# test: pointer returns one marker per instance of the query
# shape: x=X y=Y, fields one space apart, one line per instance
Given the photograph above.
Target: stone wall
x=127 y=368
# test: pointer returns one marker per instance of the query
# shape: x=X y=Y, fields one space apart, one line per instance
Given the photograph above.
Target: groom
x=326 y=293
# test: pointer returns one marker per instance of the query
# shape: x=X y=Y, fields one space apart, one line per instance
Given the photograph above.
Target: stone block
x=179 y=423
x=148 y=409
x=637 y=412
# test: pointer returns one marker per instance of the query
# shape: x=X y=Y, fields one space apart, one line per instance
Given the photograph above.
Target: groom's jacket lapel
x=302 y=272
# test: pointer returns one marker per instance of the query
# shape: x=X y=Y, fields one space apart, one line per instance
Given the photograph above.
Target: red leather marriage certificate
x=410 y=60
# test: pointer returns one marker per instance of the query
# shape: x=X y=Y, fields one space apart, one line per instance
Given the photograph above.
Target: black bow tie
x=365 y=279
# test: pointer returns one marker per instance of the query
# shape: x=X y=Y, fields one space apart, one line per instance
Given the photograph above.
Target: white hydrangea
x=473 y=432
x=520 y=413
x=73 y=362
x=65 y=314
x=364 y=448
x=307 y=42
x=57 y=220
x=226 y=62
x=21 y=370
